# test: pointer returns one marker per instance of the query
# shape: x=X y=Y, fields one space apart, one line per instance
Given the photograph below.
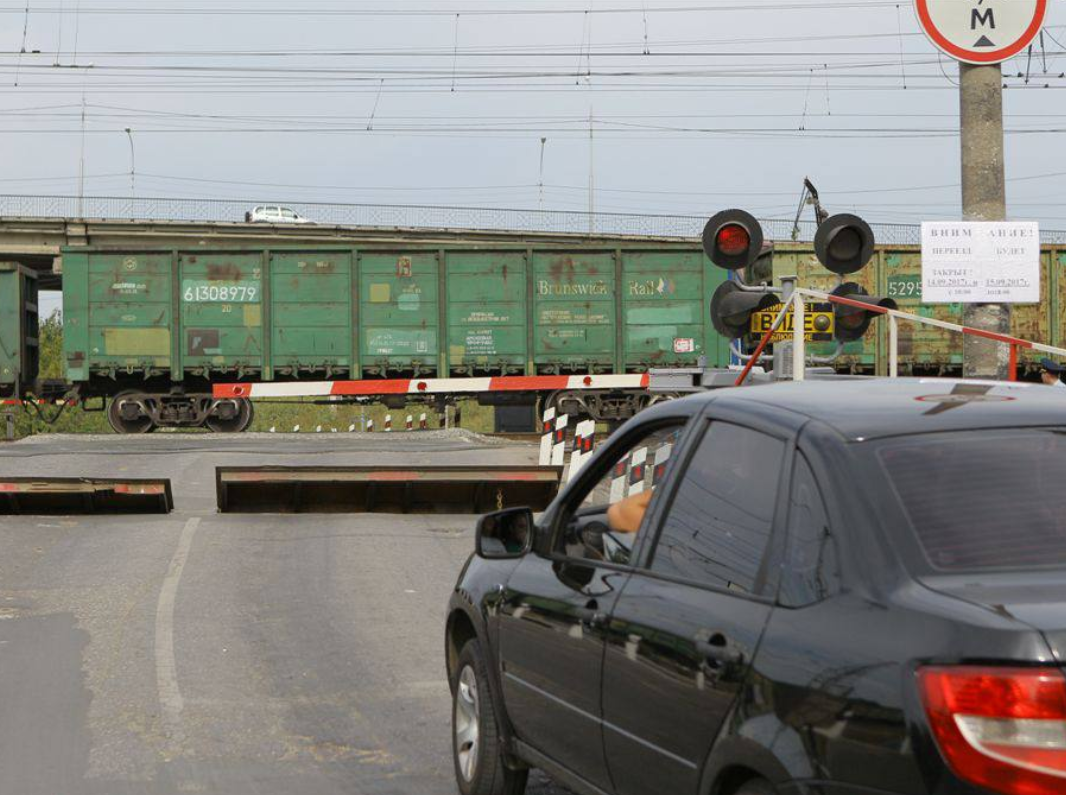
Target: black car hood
x=1038 y=600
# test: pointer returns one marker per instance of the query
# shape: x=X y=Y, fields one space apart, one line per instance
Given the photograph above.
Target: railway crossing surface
x=230 y=654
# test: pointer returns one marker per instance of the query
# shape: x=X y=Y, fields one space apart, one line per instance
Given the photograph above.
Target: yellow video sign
x=817 y=323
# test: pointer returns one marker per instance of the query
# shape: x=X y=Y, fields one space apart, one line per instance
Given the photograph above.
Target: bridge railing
x=418 y=216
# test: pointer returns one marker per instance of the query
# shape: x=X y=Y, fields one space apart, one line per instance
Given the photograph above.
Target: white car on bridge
x=273 y=214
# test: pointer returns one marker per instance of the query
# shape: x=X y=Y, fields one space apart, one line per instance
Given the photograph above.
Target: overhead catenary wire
x=684 y=70
x=287 y=10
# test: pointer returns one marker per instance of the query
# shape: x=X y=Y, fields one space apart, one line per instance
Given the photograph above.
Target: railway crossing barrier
x=68 y=496
x=361 y=489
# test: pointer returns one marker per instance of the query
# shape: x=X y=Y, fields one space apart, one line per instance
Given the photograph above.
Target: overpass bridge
x=37 y=243
x=34 y=229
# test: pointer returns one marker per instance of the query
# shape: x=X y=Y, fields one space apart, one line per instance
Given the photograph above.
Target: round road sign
x=981 y=31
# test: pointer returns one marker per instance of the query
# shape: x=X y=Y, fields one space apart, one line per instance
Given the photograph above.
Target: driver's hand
x=626 y=516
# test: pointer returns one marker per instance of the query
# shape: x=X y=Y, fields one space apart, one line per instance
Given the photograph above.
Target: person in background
x=1052 y=373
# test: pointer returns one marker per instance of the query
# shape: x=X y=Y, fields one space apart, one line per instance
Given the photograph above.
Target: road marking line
x=165 y=665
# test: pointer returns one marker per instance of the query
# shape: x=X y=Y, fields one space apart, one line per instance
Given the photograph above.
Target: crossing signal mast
x=843 y=244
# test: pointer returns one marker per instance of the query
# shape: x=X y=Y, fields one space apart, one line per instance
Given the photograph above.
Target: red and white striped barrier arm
x=929 y=321
x=1015 y=343
x=431 y=386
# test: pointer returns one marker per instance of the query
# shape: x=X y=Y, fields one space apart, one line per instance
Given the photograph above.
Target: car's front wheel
x=476 y=747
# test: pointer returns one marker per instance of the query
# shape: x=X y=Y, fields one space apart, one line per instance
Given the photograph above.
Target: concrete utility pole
x=984 y=198
x=981 y=35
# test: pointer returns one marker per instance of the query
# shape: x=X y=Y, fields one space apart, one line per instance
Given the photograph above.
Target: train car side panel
x=221 y=319
x=1033 y=321
x=920 y=346
x=486 y=312
x=663 y=304
x=575 y=311
x=399 y=308
x=19 y=353
x=311 y=313
x=76 y=360
x=128 y=313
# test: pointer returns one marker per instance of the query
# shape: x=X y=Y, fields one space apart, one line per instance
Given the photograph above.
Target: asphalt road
x=228 y=655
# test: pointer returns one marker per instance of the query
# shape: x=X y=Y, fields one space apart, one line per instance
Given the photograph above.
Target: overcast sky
x=696 y=104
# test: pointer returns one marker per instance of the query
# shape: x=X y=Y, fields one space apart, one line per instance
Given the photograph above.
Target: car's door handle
x=717 y=650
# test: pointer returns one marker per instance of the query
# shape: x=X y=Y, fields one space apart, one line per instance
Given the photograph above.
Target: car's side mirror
x=505 y=534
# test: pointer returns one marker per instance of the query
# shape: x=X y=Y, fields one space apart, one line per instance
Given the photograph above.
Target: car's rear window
x=982 y=502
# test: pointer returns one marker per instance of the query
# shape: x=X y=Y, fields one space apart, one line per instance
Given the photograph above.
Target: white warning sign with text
x=980 y=263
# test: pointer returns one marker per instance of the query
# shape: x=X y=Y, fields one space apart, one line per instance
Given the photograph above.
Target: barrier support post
x=799 y=352
x=893 y=347
x=1012 y=368
x=9 y=422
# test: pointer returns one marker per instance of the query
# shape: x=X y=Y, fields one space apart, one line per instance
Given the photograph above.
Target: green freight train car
x=19 y=356
x=156 y=329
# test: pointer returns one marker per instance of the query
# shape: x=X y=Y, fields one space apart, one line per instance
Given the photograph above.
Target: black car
x=837 y=588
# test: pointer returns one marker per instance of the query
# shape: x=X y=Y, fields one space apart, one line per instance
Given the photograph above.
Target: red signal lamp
x=733 y=239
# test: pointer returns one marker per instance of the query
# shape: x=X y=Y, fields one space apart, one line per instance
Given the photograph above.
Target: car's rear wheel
x=476 y=747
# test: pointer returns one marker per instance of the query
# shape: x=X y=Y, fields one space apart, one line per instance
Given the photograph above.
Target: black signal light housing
x=851 y=322
x=844 y=244
x=733 y=239
x=732 y=308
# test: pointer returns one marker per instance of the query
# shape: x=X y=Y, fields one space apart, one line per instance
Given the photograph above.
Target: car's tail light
x=1000 y=728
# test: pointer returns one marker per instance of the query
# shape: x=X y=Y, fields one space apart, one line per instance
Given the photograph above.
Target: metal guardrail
x=414 y=216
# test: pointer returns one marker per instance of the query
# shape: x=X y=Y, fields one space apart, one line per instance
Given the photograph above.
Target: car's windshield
x=992 y=500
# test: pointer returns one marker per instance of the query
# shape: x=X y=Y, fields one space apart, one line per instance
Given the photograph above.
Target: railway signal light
x=844 y=243
x=852 y=321
x=732 y=308
x=733 y=239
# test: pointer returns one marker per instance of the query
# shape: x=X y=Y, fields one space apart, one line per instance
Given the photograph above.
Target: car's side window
x=811 y=571
x=604 y=523
x=717 y=527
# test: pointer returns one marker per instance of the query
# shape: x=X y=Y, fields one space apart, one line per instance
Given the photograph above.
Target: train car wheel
x=125 y=415
x=238 y=423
